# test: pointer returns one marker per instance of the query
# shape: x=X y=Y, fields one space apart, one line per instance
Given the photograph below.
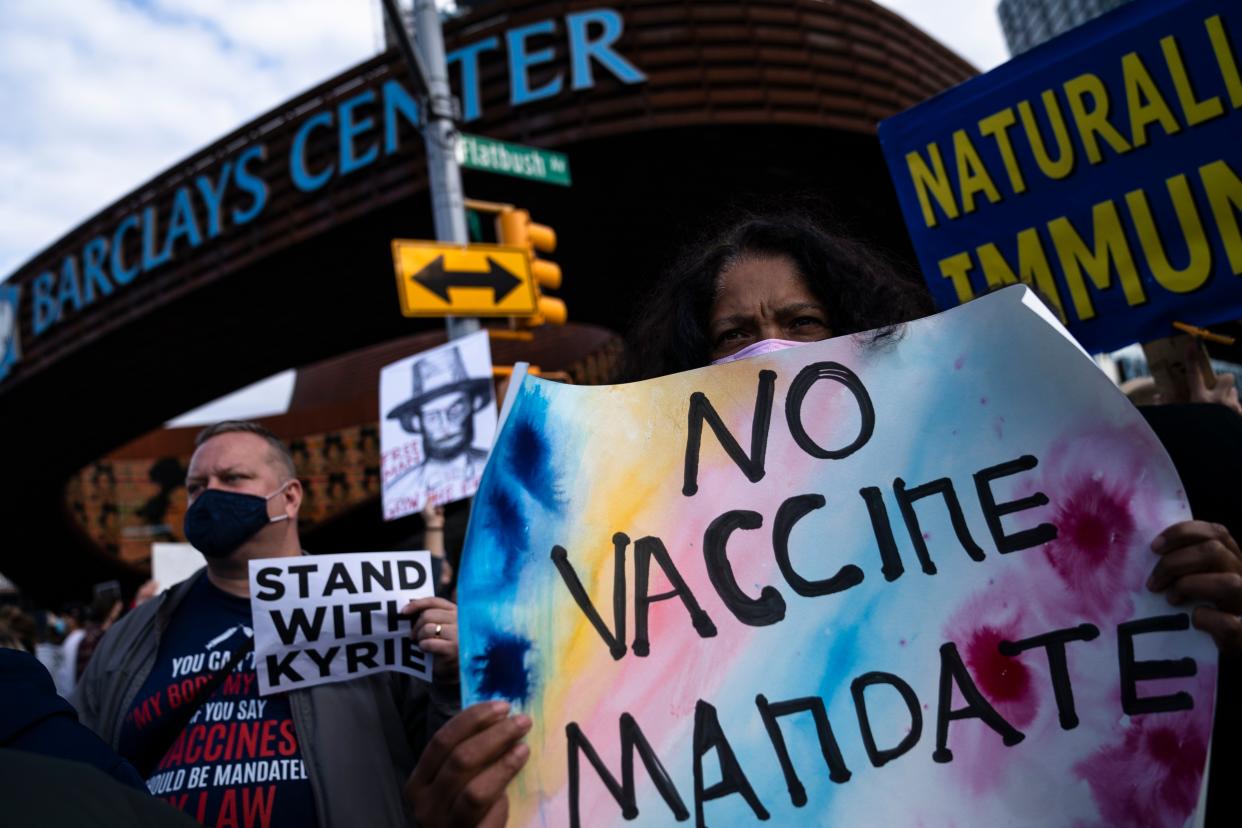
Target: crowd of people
x=170 y=686
x=63 y=639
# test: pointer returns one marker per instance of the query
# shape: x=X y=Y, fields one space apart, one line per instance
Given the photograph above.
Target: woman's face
x=762 y=297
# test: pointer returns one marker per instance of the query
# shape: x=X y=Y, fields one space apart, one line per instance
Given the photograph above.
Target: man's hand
x=460 y=779
x=1223 y=393
x=1200 y=562
x=435 y=629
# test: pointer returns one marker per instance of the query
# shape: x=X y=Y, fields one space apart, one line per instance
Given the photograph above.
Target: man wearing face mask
x=172 y=686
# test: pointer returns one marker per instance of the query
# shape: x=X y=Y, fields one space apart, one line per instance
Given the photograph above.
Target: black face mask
x=218 y=522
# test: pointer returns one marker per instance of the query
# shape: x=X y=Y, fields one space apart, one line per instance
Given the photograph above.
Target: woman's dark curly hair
x=860 y=289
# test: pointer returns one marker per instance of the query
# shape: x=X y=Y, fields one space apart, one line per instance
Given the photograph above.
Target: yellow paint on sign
x=439 y=279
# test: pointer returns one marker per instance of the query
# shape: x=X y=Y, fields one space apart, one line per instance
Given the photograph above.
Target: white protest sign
x=172 y=563
x=857 y=582
x=326 y=618
x=437 y=422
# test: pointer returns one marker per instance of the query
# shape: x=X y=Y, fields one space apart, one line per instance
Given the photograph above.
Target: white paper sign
x=326 y=618
x=438 y=420
x=172 y=563
x=822 y=586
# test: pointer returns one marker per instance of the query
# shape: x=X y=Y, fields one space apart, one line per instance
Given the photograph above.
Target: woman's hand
x=1200 y=562
x=435 y=629
x=1224 y=392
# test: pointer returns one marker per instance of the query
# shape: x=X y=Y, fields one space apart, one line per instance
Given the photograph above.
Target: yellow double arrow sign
x=438 y=279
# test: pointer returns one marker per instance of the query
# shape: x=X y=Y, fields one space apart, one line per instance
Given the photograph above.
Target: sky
x=100 y=96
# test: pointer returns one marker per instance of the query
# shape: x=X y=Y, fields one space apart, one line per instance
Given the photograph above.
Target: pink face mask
x=767 y=346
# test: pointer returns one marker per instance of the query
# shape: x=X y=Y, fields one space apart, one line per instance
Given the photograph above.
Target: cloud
x=968 y=27
x=102 y=95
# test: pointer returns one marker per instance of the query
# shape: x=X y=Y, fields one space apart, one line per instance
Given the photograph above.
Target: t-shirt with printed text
x=237 y=763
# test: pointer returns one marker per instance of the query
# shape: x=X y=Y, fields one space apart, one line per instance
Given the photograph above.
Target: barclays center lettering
x=363 y=129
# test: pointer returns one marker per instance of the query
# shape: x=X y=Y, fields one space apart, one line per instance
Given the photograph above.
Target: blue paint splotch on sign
x=502 y=670
x=1104 y=168
x=528 y=456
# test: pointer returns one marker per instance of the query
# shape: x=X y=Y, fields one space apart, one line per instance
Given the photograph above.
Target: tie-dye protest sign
x=894 y=581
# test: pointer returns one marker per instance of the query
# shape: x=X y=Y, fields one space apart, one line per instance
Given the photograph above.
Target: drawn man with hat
x=442 y=410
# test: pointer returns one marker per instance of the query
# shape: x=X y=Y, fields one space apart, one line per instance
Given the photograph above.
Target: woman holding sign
x=583 y=472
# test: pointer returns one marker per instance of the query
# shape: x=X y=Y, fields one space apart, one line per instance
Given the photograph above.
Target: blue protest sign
x=1104 y=168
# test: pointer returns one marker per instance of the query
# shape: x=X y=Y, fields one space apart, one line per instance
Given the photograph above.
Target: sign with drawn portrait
x=438 y=420
x=856 y=582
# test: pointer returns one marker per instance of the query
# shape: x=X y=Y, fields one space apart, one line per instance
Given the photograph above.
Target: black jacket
x=1205 y=443
x=35 y=719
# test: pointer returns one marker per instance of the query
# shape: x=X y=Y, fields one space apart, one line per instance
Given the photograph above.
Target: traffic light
x=514 y=227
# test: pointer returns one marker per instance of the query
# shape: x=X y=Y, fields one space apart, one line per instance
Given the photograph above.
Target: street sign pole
x=440 y=137
x=430 y=70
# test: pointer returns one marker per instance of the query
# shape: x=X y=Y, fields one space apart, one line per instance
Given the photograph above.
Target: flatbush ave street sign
x=489 y=155
x=443 y=279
